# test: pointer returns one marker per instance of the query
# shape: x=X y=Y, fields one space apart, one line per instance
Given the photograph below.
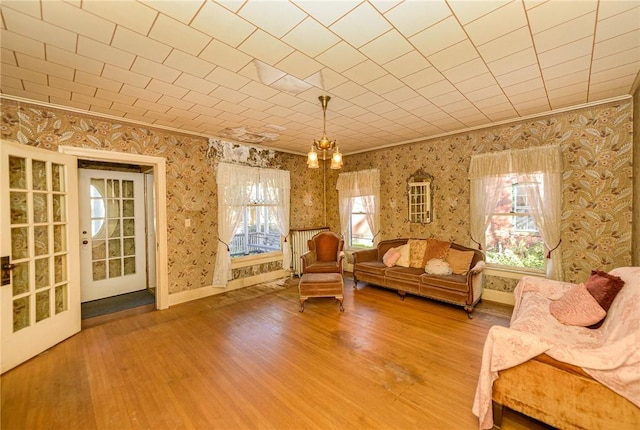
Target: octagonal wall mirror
x=420 y=198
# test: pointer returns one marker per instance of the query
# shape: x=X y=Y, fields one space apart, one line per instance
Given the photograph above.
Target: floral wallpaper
x=191 y=185
x=597 y=181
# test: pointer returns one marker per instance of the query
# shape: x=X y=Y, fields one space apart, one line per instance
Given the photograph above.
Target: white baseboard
x=199 y=293
x=503 y=297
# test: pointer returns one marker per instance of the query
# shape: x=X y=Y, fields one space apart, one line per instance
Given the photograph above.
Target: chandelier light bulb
x=324 y=144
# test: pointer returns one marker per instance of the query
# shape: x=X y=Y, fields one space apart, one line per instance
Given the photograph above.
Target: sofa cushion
x=460 y=261
x=403 y=261
x=435 y=249
x=577 y=307
x=417 y=249
x=437 y=266
x=391 y=257
x=373 y=267
x=408 y=274
x=452 y=282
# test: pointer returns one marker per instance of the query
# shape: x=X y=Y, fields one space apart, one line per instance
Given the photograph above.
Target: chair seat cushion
x=322 y=267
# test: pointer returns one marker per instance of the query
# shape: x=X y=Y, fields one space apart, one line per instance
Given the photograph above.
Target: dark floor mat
x=122 y=302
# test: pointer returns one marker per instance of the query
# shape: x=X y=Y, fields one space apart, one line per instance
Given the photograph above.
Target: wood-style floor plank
x=249 y=360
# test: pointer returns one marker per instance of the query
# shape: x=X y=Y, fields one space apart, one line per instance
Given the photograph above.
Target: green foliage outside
x=518 y=254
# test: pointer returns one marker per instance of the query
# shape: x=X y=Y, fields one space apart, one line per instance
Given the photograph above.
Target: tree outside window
x=513 y=238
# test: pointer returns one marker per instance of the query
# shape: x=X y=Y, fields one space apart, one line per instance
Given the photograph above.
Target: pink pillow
x=391 y=257
x=577 y=307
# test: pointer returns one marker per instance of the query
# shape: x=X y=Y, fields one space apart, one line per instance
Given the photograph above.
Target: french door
x=112 y=233
x=40 y=292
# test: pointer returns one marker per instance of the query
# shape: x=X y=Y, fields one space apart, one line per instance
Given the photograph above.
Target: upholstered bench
x=321 y=285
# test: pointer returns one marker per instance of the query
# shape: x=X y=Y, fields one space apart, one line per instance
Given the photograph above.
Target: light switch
x=187 y=222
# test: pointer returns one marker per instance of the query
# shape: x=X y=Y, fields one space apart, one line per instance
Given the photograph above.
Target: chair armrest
x=308 y=258
x=365 y=255
x=479 y=267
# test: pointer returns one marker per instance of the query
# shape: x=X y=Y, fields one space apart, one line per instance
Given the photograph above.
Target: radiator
x=298 y=239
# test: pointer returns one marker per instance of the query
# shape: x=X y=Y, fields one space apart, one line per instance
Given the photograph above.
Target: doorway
x=116 y=217
x=154 y=171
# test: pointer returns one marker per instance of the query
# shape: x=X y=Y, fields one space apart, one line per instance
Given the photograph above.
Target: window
x=359 y=207
x=256 y=234
x=512 y=237
x=516 y=206
x=360 y=235
x=253 y=215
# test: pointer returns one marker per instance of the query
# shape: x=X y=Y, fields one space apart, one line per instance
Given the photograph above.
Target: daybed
x=463 y=287
x=568 y=375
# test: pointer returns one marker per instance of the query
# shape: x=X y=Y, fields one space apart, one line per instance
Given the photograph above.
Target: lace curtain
x=485 y=171
x=364 y=184
x=235 y=184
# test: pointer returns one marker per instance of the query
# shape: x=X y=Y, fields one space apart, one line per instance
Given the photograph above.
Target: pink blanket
x=609 y=354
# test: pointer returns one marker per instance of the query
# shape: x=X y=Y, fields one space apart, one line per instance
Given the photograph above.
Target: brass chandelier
x=324 y=144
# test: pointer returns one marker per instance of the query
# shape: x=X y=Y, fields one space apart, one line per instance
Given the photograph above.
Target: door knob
x=5 y=275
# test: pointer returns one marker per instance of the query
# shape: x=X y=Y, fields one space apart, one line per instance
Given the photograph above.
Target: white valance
x=360 y=183
x=546 y=159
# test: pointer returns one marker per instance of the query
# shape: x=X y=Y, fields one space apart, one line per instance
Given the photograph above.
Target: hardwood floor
x=237 y=361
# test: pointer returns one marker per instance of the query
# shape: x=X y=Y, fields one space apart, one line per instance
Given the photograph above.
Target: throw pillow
x=437 y=266
x=403 y=261
x=460 y=261
x=391 y=257
x=604 y=288
x=577 y=307
x=416 y=254
x=435 y=249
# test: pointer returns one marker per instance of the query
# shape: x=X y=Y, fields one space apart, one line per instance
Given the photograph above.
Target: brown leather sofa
x=461 y=290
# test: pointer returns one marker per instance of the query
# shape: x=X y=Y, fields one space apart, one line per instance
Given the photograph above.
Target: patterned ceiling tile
x=136 y=43
x=351 y=29
x=322 y=39
x=78 y=21
x=218 y=22
x=413 y=17
x=503 y=20
x=276 y=21
x=387 y=47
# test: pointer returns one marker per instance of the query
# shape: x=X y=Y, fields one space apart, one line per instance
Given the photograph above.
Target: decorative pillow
x=391 y=257
x=437 y=266
x=403 y=261
x=577 y=307
x=604 y=288
x=416 y=253
x=435 y=249
x=460 y=261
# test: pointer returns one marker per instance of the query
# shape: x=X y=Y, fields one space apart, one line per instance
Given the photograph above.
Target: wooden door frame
x=160 y=185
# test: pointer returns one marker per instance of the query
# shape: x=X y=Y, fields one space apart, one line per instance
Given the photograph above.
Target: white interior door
x=112 y=233
x=40 y=290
